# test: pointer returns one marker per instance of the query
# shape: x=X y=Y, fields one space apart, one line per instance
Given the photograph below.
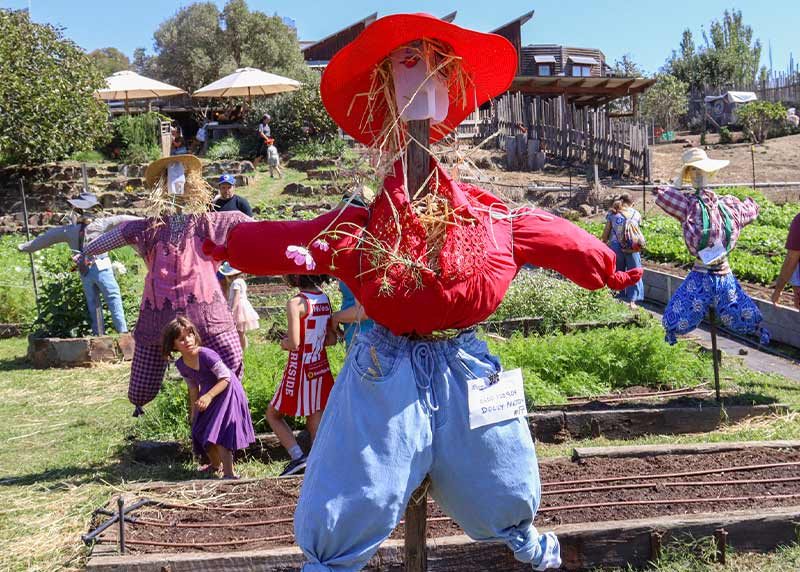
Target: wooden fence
x=564 y=132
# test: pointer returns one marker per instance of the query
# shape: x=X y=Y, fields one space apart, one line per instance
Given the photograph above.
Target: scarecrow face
x=419 y=92
x=695 y=177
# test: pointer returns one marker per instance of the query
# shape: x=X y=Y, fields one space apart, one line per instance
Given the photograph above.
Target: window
x=544 y=69
x=581 y=70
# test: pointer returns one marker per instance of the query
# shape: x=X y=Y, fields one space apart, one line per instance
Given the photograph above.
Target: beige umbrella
x=127 y=85
x=248 y=82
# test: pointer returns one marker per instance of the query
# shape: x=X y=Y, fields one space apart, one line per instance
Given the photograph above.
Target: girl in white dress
x=244 y=315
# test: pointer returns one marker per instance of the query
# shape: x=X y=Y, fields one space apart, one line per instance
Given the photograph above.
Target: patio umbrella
x=130 y=85
x=247 y=82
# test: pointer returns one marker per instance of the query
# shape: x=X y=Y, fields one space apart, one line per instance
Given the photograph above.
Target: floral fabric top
x=180 y=278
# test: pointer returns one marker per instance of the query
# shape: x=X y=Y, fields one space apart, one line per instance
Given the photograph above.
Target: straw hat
x=697 y=158
x=155 y=169
x=489 y=60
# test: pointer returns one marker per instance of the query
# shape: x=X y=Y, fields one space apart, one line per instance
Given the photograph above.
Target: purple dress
x=227 y=420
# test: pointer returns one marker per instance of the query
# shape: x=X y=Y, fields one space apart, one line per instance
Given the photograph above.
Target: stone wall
x=118 y=187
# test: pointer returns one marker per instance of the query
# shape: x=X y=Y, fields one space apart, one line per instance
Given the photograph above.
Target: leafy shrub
x=228 y=148
x=297 y=117
x=87 y=157
x=725 y=136
x=331 y=148
x=542 y=294
x=137 y=137
x=62 y=304
x=47 y=104
x=759 y=117
x=17 y=302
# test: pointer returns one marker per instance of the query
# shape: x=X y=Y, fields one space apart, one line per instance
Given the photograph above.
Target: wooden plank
x=579 y=453
x=583 y=545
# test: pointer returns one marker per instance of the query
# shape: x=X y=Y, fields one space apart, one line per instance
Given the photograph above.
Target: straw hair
x=196 y=198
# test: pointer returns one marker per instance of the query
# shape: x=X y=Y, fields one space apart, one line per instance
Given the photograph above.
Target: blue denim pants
x=629 y=261
x=97 y=282
x=398 y=412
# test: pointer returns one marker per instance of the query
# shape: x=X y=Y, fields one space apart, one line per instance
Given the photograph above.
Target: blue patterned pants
x=699 y=291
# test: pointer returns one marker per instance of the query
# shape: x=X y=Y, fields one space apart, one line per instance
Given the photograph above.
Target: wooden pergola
x=583 y=91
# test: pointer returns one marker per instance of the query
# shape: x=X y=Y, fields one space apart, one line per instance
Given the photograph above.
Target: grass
x=66 y=437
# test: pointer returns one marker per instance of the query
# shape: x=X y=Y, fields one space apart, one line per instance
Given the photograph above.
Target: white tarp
x=733 y=97
x=583 y=60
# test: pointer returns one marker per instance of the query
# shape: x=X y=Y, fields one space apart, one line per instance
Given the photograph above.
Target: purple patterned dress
x=227 y=420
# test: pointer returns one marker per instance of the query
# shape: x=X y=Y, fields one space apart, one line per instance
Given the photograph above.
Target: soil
x=272 y=501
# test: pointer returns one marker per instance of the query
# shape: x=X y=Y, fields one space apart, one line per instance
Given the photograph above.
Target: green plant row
x=554 y=367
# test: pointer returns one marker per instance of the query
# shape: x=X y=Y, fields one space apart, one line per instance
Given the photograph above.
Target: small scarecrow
x=711 y=226
x=429 y=259
x=98 y=277
x=180 y=280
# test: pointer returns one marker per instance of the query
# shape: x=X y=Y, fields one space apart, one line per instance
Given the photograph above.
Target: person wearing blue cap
x=228 y=200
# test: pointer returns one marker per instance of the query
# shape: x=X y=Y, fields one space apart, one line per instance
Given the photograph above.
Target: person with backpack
x=711 y=225
x=623 y=234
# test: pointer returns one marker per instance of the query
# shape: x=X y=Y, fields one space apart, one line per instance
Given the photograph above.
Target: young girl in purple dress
x=220 y=414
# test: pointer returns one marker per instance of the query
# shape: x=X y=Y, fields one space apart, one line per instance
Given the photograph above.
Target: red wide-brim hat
x=489 y=60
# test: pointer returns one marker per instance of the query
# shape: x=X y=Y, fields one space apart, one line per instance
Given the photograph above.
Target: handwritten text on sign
x=495 y=400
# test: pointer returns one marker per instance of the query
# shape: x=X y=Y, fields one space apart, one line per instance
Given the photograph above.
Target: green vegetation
x=758 y=255
x=542 y=294
x=228 y=148
x=47 y=97
x=760 y=119
x=136 y=137
x=666 y=101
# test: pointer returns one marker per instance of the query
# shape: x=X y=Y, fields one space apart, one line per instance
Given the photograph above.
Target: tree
x=200 y=44
x=47 y=106
x=666 y=101
x=626 y=67
x=759 y=117
x=143 y=64
x=109 y=60
x=729 y=58
x=190 y=47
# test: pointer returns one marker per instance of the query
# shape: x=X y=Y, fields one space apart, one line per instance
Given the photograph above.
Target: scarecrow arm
x=323 y=245
x=126 y=233
x=673 y=202
x=744 y=212
x=551 y=242
x=49 y=238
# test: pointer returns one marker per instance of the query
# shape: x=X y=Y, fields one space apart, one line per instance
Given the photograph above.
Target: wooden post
x=712 y=320
x=28 y=239
x=417 y=157
x=418 y=161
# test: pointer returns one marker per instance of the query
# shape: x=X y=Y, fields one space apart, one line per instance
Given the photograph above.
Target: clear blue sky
x=648 y=30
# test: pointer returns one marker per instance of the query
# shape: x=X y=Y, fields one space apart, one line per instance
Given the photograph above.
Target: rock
x=246 y=167
x=126 y=346
x=298 y=189
x=102 y=348
x=585 y=210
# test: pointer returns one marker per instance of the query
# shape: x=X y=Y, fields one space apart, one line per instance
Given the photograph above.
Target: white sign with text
x=496 y=398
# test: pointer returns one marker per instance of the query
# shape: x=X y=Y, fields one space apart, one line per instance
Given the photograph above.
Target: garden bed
x=584 y=502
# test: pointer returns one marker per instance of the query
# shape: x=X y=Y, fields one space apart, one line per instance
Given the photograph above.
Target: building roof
x=582 y=91
x=521 y=21
x=583 y=60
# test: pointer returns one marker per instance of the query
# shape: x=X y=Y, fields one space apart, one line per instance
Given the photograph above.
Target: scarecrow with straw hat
x=98 y=277
x=428 y=261
x=180 y=279
x=711 y=226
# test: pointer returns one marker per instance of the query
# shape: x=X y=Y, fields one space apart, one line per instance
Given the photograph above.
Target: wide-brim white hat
x=697 y=158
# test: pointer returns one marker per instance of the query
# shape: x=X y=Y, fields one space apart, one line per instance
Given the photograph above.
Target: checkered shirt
x=686 y=208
